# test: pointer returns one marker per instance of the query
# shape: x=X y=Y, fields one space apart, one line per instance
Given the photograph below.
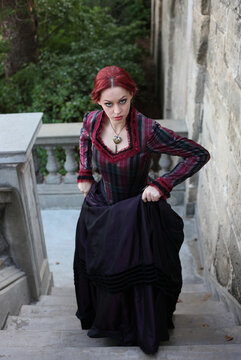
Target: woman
x=127 y=270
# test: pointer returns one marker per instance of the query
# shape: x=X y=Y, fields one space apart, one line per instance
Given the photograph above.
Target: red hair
x=111 y=76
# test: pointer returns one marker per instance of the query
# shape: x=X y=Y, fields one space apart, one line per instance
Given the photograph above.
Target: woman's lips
x=118 y=117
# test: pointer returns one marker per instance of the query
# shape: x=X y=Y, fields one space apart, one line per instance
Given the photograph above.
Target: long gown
x=127 y=271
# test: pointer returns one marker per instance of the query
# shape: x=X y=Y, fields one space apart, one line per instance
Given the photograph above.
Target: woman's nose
x=117 y=109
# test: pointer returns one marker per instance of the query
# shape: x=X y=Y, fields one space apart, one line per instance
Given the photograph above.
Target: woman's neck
x=117 y=126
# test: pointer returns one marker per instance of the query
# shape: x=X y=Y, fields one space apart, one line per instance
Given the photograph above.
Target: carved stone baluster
x=165 y=163
x=52 y=166
x=70 y=165
x=155 y=166
x=39 y=176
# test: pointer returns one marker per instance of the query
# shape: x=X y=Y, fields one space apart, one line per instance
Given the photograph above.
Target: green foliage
x=77 y=38
x=126 y=11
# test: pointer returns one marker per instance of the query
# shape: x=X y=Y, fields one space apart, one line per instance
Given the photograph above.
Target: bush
x=76 y=40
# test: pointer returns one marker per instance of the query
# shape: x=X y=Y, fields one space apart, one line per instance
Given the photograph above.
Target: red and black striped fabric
x=125 y=173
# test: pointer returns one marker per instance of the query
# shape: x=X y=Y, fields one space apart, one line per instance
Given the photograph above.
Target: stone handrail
x=67 y=136
x=24 y=269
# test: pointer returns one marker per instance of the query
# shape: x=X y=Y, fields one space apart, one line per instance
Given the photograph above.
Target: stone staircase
x=48 y=330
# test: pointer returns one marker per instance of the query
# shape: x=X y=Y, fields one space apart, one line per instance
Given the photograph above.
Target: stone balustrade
x=24 y=269
x=61 y=191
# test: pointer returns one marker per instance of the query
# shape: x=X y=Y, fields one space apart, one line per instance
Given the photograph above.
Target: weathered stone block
x=205 y=7
x=234 y=196
x=222 y=261
x=235 y=255
x=226 y=2
x=236 y=7
x=172 y=8
x=234 y=104
x=202 y=6
x=219 y=14
x=215 y=45
x=203 y=41
x=232 y=44
x=216 y=65
x=200 y=81
x=213 y=108
x=215 y=112
x=14 y=292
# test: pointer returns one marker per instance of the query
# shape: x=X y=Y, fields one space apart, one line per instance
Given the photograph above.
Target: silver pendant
x=117 y=139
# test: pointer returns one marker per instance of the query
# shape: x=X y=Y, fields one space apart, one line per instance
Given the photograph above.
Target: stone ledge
x=62 y=196
x=17 y=136
x=8 y=275
x=68 y=133
x=59 y=134
x=68 y=196
x=13 y=296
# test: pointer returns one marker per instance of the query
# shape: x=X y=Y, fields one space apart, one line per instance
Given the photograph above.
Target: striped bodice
x=125 y=173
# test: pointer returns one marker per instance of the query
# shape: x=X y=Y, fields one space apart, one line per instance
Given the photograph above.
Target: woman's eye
x=108 y=104
x=123 y=101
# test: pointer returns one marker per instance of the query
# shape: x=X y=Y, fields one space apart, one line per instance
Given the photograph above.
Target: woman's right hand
x=85 y=187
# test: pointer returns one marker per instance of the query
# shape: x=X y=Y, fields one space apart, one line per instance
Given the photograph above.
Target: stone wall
x=201 y=65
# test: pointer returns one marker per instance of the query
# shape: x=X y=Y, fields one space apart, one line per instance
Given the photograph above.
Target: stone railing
x=58 y=191
x=24 y=269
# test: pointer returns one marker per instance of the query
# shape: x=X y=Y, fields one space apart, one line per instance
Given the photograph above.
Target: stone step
x=78 y=338
x=208 y=307
x=72 y=323
x=207 y=336
x=194 y=298
x=43 y=323
x=187 y=288
x=63 y=291
x=204 y=320
x=205 y=307
x=35 y=310
x=41 y=338
x=56 y=300
x=194 y=288
x=193 y=352
x=70 y=291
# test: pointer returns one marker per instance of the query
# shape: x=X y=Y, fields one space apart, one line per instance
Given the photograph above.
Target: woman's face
x=116 y=103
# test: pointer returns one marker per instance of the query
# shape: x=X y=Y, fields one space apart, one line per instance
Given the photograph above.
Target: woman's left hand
x=150 y=194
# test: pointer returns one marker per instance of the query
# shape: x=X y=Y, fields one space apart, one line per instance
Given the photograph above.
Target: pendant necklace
x=117 y=139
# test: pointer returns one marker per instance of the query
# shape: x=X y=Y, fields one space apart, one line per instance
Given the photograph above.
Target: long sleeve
x=166 y=141
x=85 y=169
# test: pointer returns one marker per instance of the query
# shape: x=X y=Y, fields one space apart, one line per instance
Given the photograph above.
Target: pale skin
x=116 y=104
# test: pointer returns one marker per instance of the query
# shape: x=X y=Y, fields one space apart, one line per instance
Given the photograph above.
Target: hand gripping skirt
x=127 y=271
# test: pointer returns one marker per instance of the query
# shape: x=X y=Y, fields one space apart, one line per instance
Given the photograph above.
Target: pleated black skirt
x=127 y=271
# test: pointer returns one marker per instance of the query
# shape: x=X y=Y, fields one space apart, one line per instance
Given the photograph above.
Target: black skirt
x=127 y=270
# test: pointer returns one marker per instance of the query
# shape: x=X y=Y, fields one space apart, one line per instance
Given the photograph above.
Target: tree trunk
x=19 y=30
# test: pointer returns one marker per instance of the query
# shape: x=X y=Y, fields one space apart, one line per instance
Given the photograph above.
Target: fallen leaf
x=206 y=297
x=57 y=263
x=205 y=325
x=229 y=337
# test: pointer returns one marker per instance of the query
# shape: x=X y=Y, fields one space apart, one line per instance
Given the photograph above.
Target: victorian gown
x=127 y=271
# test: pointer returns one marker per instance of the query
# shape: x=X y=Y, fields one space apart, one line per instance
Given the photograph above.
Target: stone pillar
x=21 y=223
